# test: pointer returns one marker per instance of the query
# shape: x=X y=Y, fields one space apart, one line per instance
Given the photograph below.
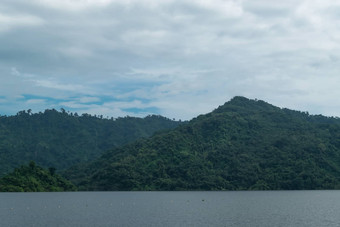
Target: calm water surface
x=259 y=208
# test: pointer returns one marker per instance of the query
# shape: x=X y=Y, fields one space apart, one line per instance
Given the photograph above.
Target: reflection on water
x=257 y=208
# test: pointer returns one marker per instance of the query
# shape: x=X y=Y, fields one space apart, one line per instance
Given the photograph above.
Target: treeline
x=62 y=139
x=33 y=178
x=242 y=145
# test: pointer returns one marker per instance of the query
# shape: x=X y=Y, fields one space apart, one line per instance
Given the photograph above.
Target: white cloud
x=58 y=86
x=8 y=22
x=15 y=72
x=110 y=111
x=36 y=101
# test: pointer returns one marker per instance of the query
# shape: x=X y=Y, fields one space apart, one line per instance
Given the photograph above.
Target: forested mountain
x=33 y=178
x=60 y=139
x=242 y=145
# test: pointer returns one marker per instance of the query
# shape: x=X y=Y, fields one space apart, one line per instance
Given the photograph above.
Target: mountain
x=33 y=178
x=242 y=145
x=60 y=140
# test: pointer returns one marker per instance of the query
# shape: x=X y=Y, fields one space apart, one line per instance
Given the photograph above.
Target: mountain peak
x=242 y=103
x=240 y=100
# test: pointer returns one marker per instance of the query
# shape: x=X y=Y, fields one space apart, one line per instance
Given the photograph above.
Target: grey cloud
x=268 y=9
x=172 y=53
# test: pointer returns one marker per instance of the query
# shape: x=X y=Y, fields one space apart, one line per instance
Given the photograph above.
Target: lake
x=242 y=208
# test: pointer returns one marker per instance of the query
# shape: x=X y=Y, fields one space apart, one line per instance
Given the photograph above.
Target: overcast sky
x=177 y=58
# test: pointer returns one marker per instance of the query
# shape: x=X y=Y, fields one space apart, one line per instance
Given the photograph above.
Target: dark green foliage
x=32 y=178
x=242 y=145
x=61 y=140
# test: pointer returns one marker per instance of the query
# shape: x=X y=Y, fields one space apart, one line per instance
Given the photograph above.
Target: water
x=257 y=208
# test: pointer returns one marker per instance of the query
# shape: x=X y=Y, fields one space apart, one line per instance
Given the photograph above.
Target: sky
x=176 y=58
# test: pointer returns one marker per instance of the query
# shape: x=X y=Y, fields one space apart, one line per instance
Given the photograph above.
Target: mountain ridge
x=60 y=139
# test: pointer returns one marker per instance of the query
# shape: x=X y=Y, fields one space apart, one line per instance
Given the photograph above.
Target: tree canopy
x=62 y=139
x=33 y=178
x=242 y=145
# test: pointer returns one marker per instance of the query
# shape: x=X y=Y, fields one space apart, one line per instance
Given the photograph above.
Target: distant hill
x=33 y=178
x=242 y=145
x=60 y=140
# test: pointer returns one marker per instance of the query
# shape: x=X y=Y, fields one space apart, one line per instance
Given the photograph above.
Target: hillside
x=242 y=145
x=60 y=140
x=33 y=178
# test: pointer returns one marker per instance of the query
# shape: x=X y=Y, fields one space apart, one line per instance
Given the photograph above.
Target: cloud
x=72 y=5
x=35 y=101
x=176 y=58
x=15 y=72
x=57 y=86
x=89 y=99
x=8 y=22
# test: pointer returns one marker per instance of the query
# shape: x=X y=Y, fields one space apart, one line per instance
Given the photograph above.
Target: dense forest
x=33 y=178
x=60 y=139
x=242 y=145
